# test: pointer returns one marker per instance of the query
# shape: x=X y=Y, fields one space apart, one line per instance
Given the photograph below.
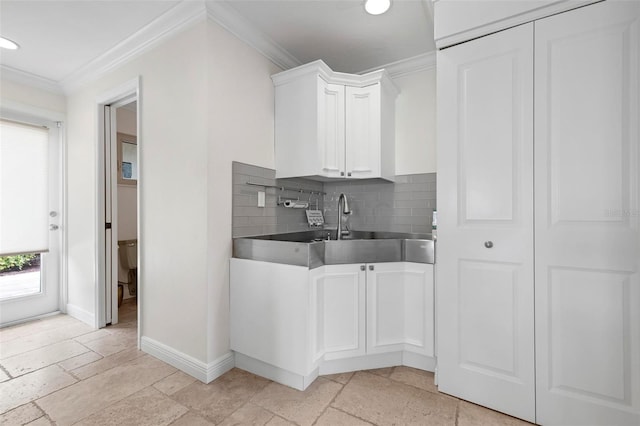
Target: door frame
x=22 y=111
x=129 y=91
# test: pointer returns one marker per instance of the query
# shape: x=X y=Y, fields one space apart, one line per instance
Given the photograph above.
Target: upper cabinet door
x=334 y=125
x=331 y=129
x=587 y=215
x=363 y=129
x=485 y=214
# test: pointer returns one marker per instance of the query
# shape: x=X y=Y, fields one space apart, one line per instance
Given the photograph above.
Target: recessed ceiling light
x=8 y=44
x=377 y=7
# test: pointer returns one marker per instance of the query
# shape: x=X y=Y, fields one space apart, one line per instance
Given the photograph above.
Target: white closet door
x=587 y=216
x=485 y=222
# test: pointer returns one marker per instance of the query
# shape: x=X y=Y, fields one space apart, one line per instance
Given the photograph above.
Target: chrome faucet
x=343 y=208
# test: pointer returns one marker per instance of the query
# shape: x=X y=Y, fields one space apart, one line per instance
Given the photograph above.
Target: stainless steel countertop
x=311 y=248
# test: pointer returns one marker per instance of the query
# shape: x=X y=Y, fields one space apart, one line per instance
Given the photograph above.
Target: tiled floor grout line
x=5 y=371
x=44 y=413
x=344 y=385
x=324 y=410
x=44 y=346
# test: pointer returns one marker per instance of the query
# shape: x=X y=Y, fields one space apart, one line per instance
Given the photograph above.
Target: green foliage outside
x=15 y=263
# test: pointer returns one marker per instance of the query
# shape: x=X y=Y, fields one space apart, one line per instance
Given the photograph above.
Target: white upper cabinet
x=334 y=125
x=463 y=20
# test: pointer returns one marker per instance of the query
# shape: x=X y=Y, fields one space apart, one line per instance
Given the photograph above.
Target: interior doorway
x=124 y=283
x=118 y=297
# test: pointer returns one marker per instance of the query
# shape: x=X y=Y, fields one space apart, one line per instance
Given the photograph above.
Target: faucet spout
x=343 y=208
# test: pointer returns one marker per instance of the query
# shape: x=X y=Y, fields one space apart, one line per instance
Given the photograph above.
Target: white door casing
x=587 y=180
x=485 y=230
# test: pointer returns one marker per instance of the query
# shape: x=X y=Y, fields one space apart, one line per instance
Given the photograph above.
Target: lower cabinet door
x=340 y=307
x=385 y=307
x=419 y=315
x=400 y=308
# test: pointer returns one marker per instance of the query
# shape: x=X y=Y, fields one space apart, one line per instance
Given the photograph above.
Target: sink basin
x=312 y=248
x=330 y=234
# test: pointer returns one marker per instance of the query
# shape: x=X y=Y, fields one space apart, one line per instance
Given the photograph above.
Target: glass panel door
x=29 y=218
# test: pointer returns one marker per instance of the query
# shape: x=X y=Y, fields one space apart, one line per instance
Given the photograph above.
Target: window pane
x=23 y=189
x=20 y=275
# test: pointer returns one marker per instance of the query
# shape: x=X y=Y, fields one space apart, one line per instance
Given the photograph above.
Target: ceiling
x=340 y=32
x=60 y=38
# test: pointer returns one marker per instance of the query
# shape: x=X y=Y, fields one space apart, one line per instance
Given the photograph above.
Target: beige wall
x=240 y=117
x=172 y=185
x=188 y=138
x=416 y=123
x=14 y=94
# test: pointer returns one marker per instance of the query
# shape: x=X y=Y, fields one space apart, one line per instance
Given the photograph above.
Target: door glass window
x=24 y=200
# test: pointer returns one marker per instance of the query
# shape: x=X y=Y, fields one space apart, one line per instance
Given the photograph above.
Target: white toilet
x=128 y=271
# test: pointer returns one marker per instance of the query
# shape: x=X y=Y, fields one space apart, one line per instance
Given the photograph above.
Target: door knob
x=488 y=244
x=53 y=227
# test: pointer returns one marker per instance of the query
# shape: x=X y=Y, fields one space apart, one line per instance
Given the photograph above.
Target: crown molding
x=179 y=18
x=232 y=21
x=321 y=69
x=31 y=80
x=403 y=67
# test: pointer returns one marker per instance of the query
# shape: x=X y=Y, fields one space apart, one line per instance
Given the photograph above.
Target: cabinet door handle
x=362 y=267
x=349 y=174
x=341 y=173
x=371 y=267
x=488 y=244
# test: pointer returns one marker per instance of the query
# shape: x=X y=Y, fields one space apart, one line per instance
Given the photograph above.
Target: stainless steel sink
x=316 y=248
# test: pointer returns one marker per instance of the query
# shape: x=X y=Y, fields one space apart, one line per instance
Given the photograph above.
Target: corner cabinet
x=334 y=125
x=290 y=324
x=539 y=228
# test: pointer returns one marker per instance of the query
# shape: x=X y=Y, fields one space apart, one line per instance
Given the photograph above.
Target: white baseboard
x=421 y=362
x=202 y=371
x=365 y=362
x=276 y=374
x=81 y=314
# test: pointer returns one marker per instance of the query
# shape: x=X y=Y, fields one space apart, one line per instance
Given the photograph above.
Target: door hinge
x=107 y=225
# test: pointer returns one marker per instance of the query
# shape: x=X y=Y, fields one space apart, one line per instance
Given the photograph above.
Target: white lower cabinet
x=290 y=324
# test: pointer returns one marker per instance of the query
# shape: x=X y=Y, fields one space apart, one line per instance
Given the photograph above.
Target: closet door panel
x=587 y=216
x=485 y=230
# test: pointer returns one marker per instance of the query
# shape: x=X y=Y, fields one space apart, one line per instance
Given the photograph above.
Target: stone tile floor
x=59 y=371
